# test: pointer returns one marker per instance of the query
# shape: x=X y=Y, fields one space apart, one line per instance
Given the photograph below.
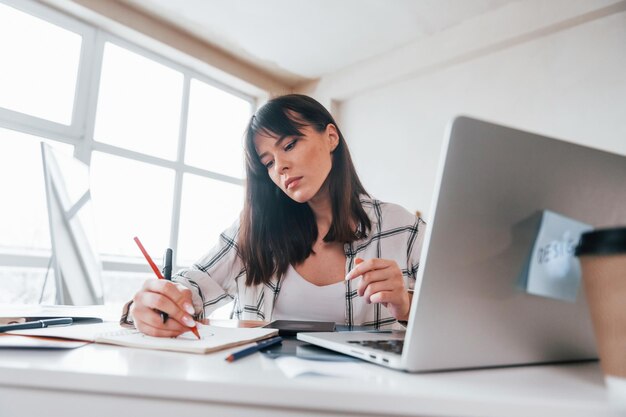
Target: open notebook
x=213 y=338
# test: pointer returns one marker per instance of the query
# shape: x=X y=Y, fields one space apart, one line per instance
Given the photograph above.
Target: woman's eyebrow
x=276 y=145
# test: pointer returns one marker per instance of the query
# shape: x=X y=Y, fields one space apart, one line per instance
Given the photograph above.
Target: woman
x=306 y=224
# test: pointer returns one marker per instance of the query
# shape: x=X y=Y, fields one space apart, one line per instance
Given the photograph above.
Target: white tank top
x=300 y=300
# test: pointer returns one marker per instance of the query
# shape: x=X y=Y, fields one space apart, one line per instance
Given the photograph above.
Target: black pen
x=167 y=274
x=37 y=324
x=259 y=345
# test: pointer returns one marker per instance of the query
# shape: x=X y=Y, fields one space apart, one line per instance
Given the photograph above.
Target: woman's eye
x=269 y=164
x=290 y=145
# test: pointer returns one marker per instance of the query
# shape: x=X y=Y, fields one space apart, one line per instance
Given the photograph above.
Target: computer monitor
x=78 y=271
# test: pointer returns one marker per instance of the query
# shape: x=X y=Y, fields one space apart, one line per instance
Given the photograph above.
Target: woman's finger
x=178 y=293
x=147 y=328
x=372 y=277
x=156 y=303
x=366 y=266
x=385 y=297
x=375 y=288
x=153 y=318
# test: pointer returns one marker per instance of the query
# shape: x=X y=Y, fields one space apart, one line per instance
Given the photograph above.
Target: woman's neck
x=322 y=210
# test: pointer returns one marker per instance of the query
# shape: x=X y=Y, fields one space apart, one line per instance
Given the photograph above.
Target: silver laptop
x=470 y=311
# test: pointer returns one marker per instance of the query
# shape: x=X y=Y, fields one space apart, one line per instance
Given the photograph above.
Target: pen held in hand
x=154 y=268
x=252 y=349
x=167 y=267
x=167 y=274
x=148 y=258
x=167 y=271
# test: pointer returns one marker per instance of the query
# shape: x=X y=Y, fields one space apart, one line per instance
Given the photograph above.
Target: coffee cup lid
x=602 y=242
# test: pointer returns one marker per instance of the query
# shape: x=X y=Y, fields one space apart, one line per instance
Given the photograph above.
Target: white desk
x=100 y=380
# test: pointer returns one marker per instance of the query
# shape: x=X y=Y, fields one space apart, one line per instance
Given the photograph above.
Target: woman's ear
x=333 y=136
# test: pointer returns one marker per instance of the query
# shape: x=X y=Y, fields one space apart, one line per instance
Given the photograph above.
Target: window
x=138 y=104
x=217 y=121
x=39 y=66
x=207 y=206
x=131 y=199
x=163 y=143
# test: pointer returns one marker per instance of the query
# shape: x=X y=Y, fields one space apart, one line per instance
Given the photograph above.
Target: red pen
x=194 y=329
x=148 y=258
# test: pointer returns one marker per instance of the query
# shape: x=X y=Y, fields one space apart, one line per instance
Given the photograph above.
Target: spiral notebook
x=212 y=338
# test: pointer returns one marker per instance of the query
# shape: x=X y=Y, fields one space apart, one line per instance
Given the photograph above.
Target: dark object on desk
x=253 y=349
x=303 y=350
x=37 y=324
x=79 y=320
x=294 y=347
x=76 y=320
x=292 y=327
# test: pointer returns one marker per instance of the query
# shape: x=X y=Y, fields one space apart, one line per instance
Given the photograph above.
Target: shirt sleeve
x=213 y=279
x=414 y=251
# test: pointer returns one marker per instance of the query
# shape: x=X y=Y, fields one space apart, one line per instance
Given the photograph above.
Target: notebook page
x=212 y=338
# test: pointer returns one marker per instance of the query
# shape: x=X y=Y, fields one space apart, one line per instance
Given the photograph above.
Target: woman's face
x=298 y=165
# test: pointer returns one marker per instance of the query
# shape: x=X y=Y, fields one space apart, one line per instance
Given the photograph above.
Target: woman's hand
x=382 y=282
x=158 y=296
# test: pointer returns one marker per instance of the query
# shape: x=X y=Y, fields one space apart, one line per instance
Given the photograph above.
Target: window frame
x=37 y=126
x=80 y=133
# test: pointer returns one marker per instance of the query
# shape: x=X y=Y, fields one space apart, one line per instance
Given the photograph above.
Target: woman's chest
x=324 y=267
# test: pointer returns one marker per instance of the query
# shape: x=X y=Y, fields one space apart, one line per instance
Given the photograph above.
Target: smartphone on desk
x=291 y=346
x=288 y=329
x=293 y=327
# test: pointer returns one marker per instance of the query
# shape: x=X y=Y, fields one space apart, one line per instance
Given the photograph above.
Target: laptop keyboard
x=394 y=346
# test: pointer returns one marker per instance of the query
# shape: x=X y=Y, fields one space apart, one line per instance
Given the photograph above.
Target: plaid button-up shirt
x=219 y=277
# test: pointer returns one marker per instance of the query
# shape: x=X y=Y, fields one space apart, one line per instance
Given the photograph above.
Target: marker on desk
x=252 y=349
x=37 y=324
x=164 y=316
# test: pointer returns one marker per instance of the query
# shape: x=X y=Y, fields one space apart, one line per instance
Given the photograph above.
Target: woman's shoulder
x=389 y=214
x=227 y=238
x=223 y=249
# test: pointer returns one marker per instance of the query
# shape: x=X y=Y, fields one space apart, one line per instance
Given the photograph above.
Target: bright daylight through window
x=164 y=145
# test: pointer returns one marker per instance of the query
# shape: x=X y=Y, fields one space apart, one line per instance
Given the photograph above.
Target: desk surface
x=106 y=380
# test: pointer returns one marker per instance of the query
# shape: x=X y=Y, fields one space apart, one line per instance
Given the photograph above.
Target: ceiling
x=299 y=40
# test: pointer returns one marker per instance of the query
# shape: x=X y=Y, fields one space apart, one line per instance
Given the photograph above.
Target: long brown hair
x=275 y=230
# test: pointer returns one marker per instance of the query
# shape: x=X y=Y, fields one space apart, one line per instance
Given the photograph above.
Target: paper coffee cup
x=602 y=255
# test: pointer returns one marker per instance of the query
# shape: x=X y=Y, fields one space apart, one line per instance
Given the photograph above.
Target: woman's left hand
x=382 y=282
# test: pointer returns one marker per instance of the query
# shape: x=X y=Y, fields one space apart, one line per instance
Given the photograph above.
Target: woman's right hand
x=158 y=296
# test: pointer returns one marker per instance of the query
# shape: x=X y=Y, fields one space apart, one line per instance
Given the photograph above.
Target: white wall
x=568 y=82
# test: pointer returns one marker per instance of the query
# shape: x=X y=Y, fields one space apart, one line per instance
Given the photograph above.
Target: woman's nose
x=281 y=164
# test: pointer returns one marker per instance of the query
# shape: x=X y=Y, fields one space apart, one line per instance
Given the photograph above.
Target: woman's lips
x=291 y=183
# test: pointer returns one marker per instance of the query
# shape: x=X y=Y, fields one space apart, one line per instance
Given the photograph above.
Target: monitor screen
x=78 y=271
